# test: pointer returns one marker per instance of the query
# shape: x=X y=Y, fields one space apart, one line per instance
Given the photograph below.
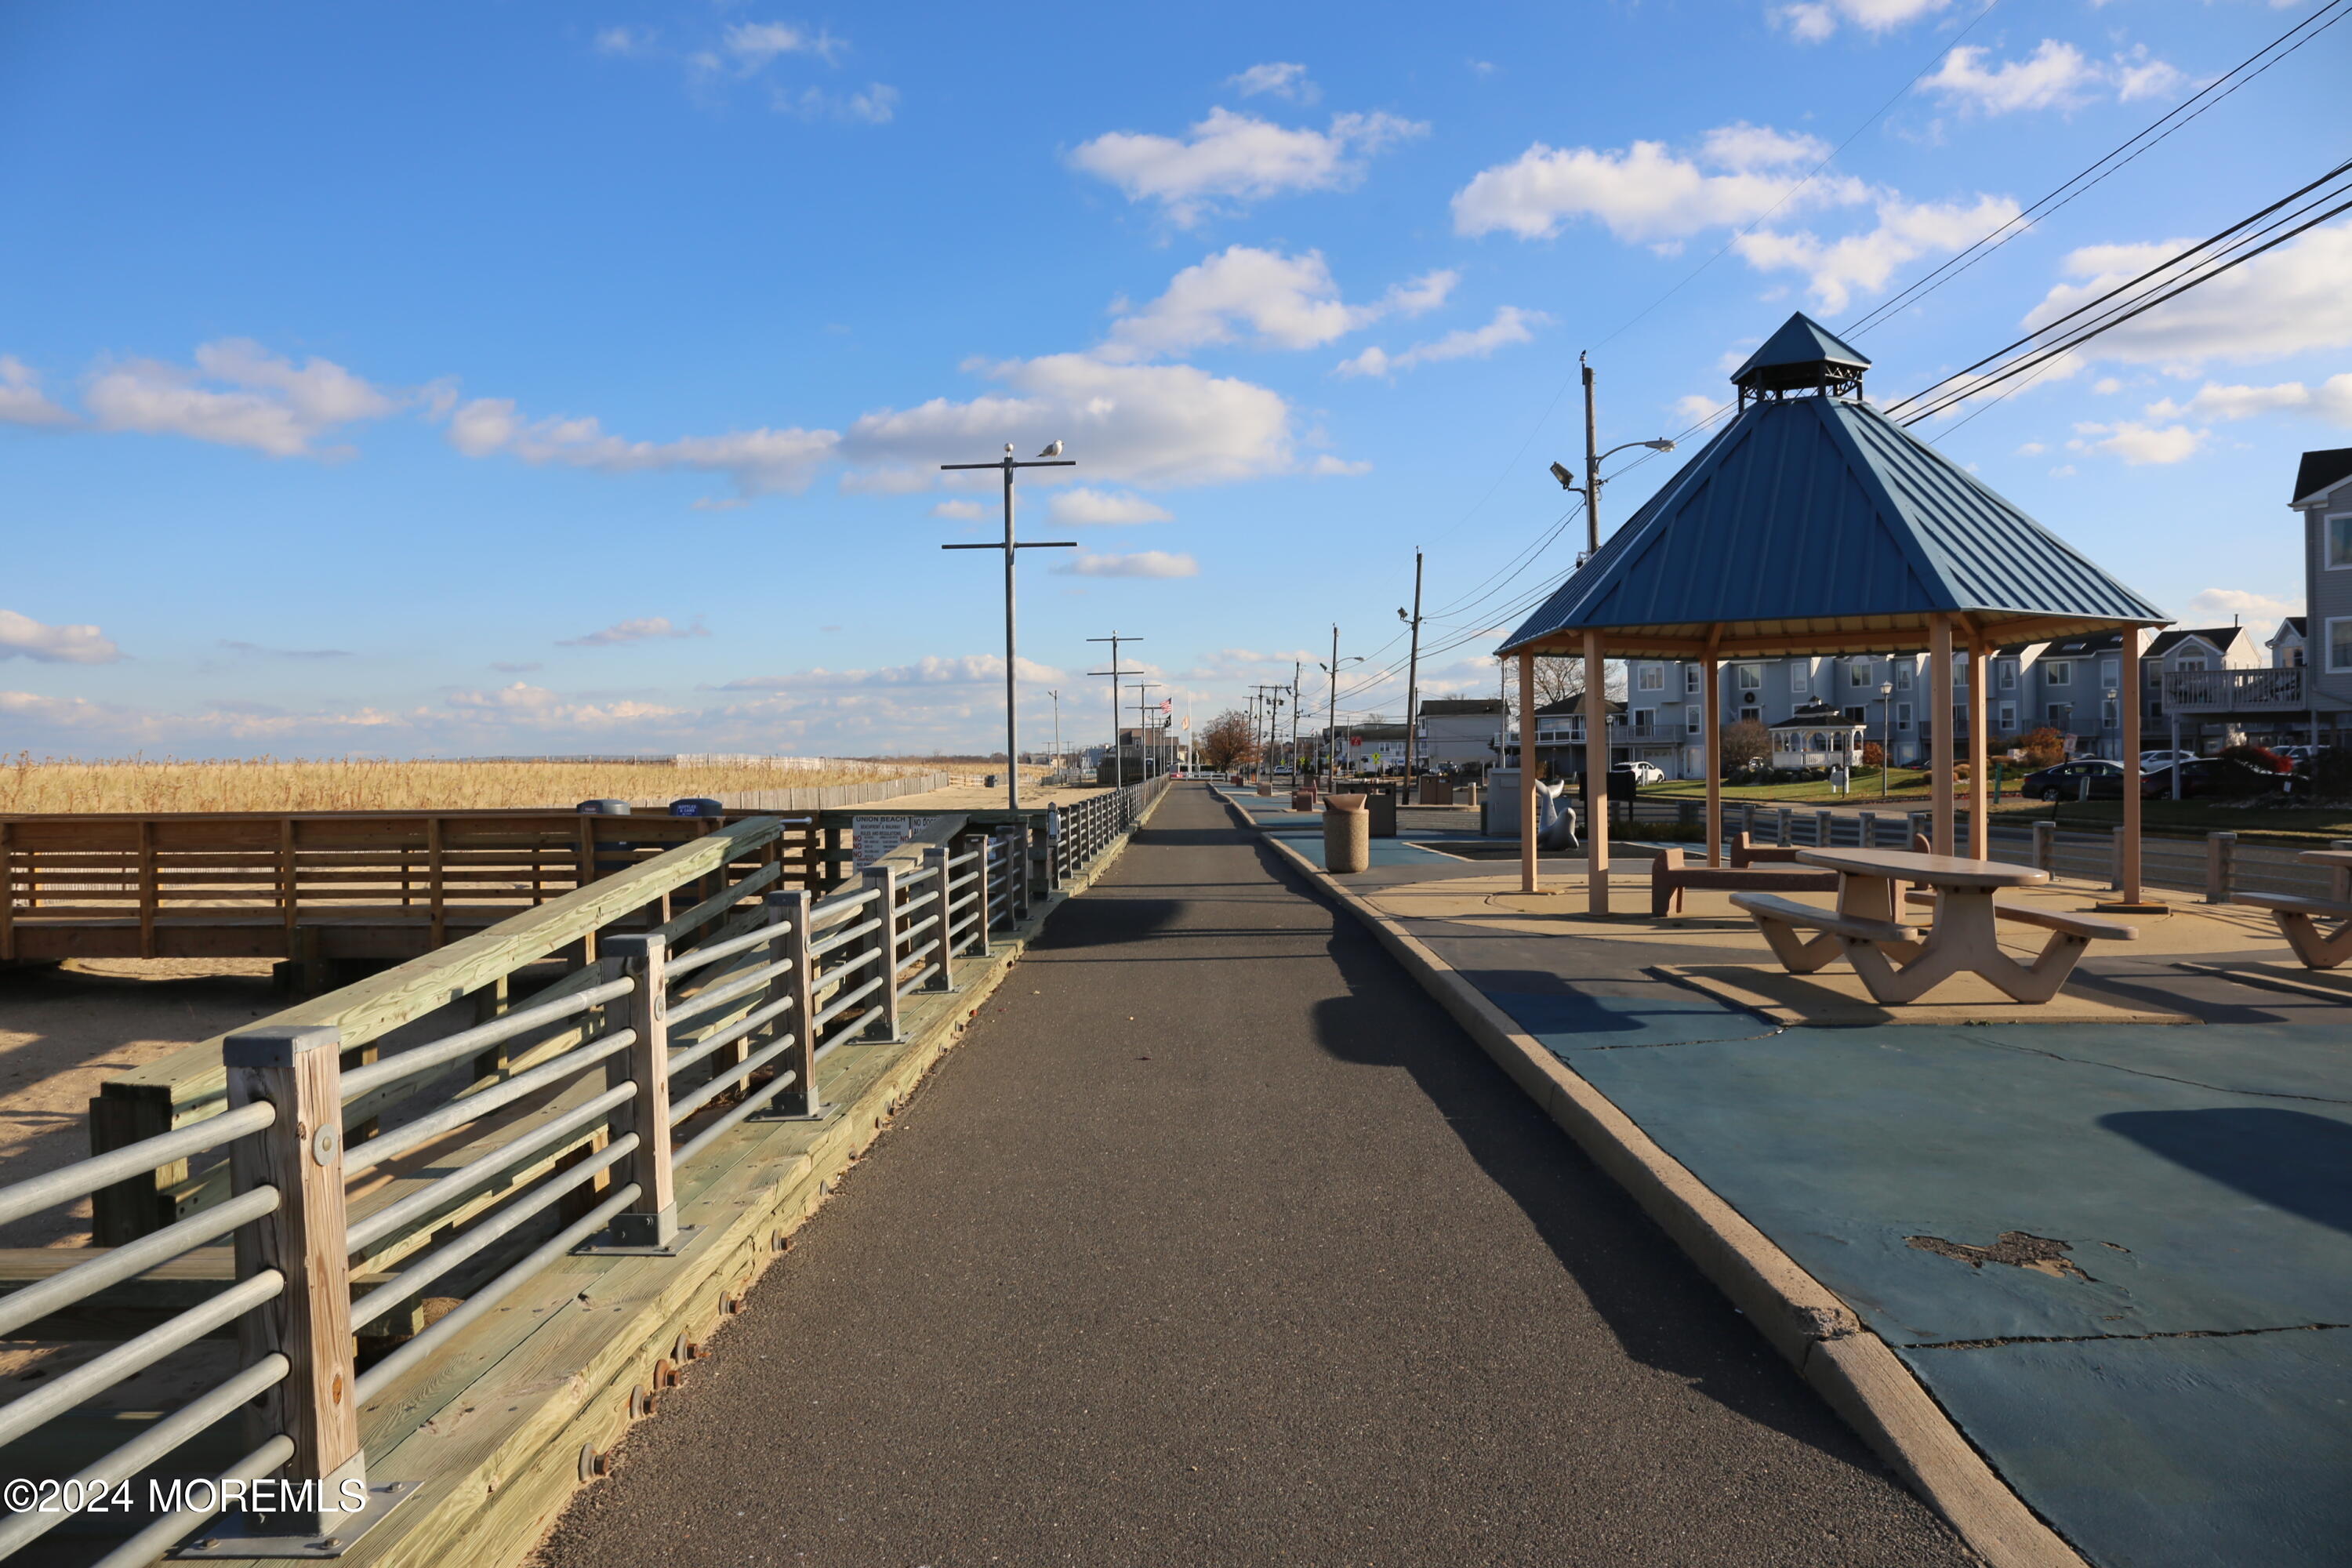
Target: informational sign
x=871 y=838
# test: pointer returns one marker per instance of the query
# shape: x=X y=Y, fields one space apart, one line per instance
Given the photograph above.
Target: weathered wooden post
x=2045 y=847
x=884 y=942
x=1870 y=830
x=651 y=1218
x=296 y=1067
x=2118 y=841
x=2221 y=849
x=790 y=913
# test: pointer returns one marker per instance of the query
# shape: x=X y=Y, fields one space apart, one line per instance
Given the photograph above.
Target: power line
x=2047 y=347
x=2126 y=153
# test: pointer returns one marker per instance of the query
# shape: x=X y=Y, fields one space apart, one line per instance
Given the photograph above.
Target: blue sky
x=464 y=379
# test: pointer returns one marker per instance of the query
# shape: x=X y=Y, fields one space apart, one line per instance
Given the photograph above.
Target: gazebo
x=1817 y=735
x=1812 y=524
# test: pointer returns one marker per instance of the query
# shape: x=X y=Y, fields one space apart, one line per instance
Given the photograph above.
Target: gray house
x=2304 y=691
x=1450 y=731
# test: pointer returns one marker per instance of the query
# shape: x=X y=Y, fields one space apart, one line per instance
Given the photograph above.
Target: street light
x=1331 y=718
x=1591 y=489
x=1050 y=457
x=1886 y=734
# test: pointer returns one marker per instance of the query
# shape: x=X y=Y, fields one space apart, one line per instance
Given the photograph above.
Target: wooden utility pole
x=1012 y=657
x=1413 y=680
x=1591 y=466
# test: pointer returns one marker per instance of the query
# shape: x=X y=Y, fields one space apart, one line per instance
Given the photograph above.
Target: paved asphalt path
x=1217 y=1242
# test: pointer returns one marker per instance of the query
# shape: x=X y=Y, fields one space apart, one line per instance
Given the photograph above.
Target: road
x=1217 y=1242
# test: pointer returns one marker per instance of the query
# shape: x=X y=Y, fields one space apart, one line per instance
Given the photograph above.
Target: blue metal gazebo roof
x=1815 y=524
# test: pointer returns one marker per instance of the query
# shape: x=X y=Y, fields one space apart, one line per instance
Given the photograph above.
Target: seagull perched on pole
x=1053 y=451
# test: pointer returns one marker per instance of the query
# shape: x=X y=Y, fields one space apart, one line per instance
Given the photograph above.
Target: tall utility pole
x=1296 y=666
x=1011 y=656
x=1118 y=762
x=1413 y=674
x=1055 y=694
x=1592 y=466
x=1268 y=705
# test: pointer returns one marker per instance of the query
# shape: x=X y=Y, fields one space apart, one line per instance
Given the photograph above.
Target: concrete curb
x=1851 y=1367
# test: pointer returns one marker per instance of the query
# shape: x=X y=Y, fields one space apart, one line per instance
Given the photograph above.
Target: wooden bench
x=1781 y=919
x=2298 y=920
x=1744 y=851
x=1670 y=874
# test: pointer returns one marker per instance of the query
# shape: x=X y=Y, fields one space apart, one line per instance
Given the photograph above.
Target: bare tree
x=1227 y=743
x=1560 y=680
x=1743 y=745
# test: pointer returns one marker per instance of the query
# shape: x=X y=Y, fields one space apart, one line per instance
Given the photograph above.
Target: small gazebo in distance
x=1812 y=524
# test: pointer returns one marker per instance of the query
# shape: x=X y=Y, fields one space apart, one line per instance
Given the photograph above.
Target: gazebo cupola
x=1803 y=358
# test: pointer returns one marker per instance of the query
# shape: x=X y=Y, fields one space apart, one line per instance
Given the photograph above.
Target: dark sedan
x=2065 y=781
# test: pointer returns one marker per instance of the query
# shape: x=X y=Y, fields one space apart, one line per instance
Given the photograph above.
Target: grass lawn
x=2300 y=827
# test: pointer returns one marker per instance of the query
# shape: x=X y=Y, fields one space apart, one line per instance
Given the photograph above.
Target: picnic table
x=1896 y=960
x=2298 y=916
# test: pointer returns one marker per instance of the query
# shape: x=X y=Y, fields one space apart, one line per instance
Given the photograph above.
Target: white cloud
x=2055 y=76
x=972 y=670
x=625 y=40
x=1082 y=506
x=877 y=105
x=1281 y=301
x=1142 y=563
x=2292 y=300
x=1820 y=19
x=754 y=45
x=1646 y=192
x=1694 y=407
x=1838 y=268
x=21 y=636
x=757 y=462
x=1151 y=424
x=264 y=402
x=636 y=629
x=22 y=400
x=256 y=650
x=1278 y=79
x=1328 y=466
x=1236 y=158
x=2138 y=444
x=2260 y=614
x=2330 y=401
x=961 y=511
x=1510 y=325
x=2032 y=449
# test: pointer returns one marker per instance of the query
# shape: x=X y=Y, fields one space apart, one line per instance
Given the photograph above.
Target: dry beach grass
x=359 y=783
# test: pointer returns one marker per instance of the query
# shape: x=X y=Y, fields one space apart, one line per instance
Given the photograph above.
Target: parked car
x=2210 y=776
x=1644 y=773
x=2298 y=755
x=2158 y=759
x=2064 y=782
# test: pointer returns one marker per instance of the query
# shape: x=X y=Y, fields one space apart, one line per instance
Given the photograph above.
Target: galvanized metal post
x=651 y=1218
x=296 y=1068
x=885 y=909
x=982 y=889
x=942 y=977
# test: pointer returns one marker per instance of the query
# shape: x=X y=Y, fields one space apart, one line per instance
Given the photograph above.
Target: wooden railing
x=366 y=884
x=2236 y=690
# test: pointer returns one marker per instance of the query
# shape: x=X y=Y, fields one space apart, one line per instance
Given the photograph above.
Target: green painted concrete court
x=2179 y=1390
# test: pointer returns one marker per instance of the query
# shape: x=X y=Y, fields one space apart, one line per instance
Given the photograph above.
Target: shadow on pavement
x=2291 y=1159
x=1661 y=1310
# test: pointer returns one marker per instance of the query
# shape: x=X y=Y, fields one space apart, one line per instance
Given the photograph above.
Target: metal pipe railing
x=84 y=1178
x=359 y=1080
x=428 y=1201
x=391 y=1145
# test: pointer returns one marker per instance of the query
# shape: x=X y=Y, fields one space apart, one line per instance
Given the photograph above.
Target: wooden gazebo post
x=1596 y=775
x=1527 y=771
x=2128 y=696
x=1939 y=736
x=1712 y=710
x=1979 y=755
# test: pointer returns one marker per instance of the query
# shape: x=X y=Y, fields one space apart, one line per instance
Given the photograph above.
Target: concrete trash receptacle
x=1303 y=799
x=1346 y=834
x=1381 y=807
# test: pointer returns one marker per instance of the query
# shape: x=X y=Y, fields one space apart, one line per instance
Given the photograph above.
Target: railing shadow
x=2291 y=1159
